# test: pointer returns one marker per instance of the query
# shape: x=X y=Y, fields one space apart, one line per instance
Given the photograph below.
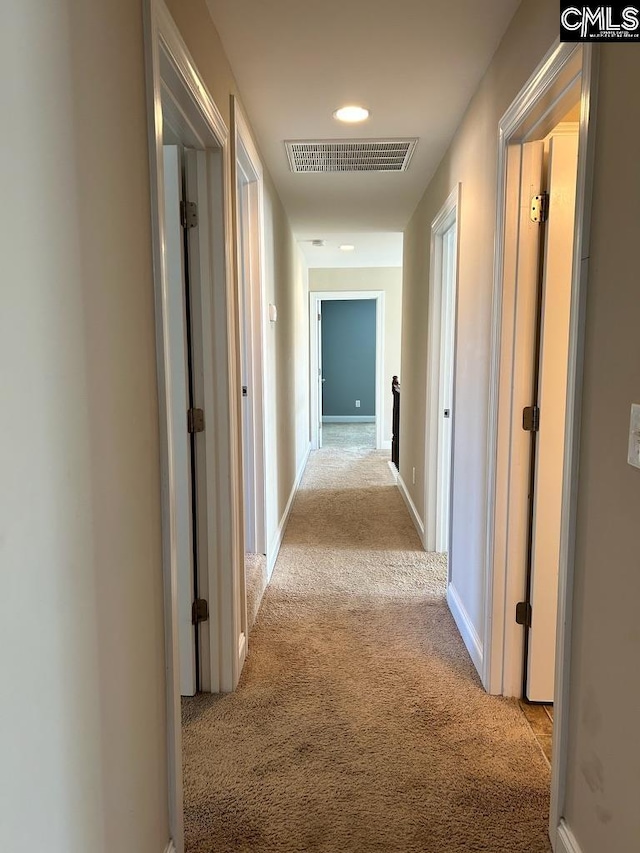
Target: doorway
x=251 y=316
x=347 y=368
x=541 y=256
x=182 y=114
x=440 y=421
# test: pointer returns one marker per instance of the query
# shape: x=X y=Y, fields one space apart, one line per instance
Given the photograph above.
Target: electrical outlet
x=357 y=404
x=413 y=476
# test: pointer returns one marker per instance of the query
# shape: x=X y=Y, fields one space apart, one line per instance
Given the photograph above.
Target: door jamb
x=531 y=108
x=316 y=296
x=441 y=223
x=171 y=70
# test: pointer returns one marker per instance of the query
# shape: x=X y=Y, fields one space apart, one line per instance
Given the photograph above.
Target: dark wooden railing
x=395 y=436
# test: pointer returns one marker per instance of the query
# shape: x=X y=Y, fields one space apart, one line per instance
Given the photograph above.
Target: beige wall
x=83 y=733
x=82 y=717
x=471 y=160
x=389 y=280
x=604 y=755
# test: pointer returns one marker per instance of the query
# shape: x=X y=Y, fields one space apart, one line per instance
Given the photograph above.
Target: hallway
x=359 y=723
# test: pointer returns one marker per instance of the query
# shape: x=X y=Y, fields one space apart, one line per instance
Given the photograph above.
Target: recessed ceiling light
x=347 y=247
x=351 y=114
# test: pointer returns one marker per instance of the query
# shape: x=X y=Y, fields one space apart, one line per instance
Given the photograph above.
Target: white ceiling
x=413 y=63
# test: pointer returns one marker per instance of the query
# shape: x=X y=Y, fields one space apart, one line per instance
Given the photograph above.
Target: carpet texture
x=359 y=723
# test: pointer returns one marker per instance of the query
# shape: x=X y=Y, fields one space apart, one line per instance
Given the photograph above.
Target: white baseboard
x=394 y=471
x=465 y=626
x=348 y=419
x=566 y=841
x=170 y=848
x=413 y=512
x=274 y=548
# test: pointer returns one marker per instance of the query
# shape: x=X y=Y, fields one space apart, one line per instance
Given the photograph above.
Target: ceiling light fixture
x=351 y=114
x=347 y=247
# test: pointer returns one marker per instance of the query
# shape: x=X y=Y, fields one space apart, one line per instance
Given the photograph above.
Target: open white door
x=445 y=392
x=179 y=403
x=553 y=367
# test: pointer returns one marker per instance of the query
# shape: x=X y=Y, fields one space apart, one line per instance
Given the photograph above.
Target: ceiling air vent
x=357 y=155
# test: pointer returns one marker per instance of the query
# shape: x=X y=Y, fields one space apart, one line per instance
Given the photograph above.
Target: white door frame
x=174 y=84
x=247 y=167
x=567 y=70
x=448 y=215
x=315 y=298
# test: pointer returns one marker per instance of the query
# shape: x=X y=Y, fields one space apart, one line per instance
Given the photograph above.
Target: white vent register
x=347 y=155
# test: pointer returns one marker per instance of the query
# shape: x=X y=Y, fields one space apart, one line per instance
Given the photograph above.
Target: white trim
x=316 y=297
x=413 y=512
x=566 y=840
x=386 y=444
x=348 y=419
x=170 y=848
x=541 y=103
x=465 y=626
x=274 y=547
x=172 y=78
x=448 y=214
x=394 y=471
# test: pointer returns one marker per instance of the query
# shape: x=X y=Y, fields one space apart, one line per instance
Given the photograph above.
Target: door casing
x=567 y=73
x=175 y=89
x=315 y=300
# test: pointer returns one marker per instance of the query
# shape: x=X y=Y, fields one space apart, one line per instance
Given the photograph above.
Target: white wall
x=82 y=716
x=389 y=280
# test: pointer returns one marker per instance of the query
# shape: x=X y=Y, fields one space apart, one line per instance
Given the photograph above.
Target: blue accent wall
x=349 y=356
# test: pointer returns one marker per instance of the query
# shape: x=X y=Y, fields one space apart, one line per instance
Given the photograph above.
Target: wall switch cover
x=634 y=436
x=357 y=404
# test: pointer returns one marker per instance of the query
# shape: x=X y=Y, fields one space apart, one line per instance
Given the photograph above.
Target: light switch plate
x=634 y=436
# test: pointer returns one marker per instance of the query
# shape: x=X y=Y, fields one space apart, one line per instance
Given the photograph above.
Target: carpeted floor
x=349 y=436
x=359 y=724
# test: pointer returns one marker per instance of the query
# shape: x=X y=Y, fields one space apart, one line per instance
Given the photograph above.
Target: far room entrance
x=346 y=365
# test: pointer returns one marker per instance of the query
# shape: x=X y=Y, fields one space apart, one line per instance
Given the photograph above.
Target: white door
x=445 y=392
x=552 y=391
x=244 y=307
x=179 y=439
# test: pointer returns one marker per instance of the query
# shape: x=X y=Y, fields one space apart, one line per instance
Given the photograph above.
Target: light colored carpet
x=350 y=436
x=255 y=573
x=359 y=724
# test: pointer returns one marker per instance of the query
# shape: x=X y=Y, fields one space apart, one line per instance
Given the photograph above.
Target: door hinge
x=188 y=214
x=540 y=207
x=531 y=418
x=245 y=391
x=523 y=613
x=199 y=611
x=195 y=420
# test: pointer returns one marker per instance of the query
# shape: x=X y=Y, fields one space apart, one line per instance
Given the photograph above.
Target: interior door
x=552 y=391
x=244 y=298
x=445 y=394
x=177 y=347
